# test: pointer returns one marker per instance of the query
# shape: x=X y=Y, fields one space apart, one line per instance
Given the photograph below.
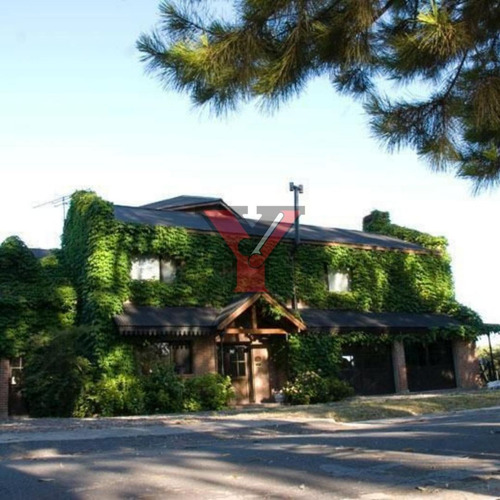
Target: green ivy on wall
x=380 y=222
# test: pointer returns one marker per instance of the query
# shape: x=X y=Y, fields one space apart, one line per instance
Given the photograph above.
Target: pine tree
x=447 y=51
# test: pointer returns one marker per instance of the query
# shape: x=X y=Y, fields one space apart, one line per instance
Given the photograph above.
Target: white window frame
x=145 y=269
x=338 y=281
x=148 y=268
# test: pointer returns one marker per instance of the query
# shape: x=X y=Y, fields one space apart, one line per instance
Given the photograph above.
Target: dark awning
x=334 y=320
x=177 y=321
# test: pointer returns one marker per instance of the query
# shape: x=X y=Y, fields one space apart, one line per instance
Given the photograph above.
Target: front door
x=260 y=375
x=248 y=367
x=236 y=366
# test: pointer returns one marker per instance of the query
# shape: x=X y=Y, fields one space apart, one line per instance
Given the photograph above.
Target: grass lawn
x=376 y=407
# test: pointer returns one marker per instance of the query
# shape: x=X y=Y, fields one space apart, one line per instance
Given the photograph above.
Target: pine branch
x=273 y=47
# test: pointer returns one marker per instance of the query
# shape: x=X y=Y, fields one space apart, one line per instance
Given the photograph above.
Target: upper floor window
x=153 y=268
x=145 y=268
x=168 y=270
x=338 y=281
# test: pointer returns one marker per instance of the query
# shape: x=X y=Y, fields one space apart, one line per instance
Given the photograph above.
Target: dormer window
x=338 y=281
x=154 y=269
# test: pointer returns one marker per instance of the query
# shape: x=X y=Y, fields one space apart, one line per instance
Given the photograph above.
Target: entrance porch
x=251 y=330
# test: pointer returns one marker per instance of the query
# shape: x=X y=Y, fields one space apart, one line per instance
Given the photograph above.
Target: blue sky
x=78 y=111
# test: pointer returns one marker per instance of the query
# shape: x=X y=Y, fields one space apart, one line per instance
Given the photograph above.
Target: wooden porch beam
x=256 y=331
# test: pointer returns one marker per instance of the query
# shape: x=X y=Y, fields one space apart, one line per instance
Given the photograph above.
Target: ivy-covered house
x=374 y=307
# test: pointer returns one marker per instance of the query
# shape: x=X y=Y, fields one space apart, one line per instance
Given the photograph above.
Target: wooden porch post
x=399 y=366
x=466 y=364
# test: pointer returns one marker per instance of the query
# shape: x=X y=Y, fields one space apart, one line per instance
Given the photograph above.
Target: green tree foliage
x=57 y=372
x=445 y=52
x=485 y=356
x=34 y=297
x=19 y=277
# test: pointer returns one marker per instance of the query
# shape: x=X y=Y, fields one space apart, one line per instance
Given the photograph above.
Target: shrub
x=164 y=390
x=310 y=387
x=208 y=392
x=119 y=395
x=56 y=373
x=161 y=391
x=339 y=389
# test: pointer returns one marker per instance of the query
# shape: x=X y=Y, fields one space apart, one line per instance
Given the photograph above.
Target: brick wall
x=204 y=355
x=466 y=364
x=4 y=388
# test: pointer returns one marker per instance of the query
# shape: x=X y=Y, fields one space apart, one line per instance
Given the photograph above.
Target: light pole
x=296 y=191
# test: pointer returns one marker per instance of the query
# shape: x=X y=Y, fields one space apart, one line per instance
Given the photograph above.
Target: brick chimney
x=376 y=221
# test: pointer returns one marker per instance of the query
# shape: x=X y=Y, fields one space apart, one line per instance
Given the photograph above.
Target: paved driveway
x=454 y=456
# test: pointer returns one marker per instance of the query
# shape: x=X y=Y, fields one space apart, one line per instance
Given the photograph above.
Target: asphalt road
x=454 y=456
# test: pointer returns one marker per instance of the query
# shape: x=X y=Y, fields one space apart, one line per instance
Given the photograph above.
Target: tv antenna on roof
x=63 y=202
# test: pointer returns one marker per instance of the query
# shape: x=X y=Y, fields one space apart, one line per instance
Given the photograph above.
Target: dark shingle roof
x=137 y=215
x=233 y=306
x=342 y=320
x=181 y=202
x=352 y=237
x=313 y=234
